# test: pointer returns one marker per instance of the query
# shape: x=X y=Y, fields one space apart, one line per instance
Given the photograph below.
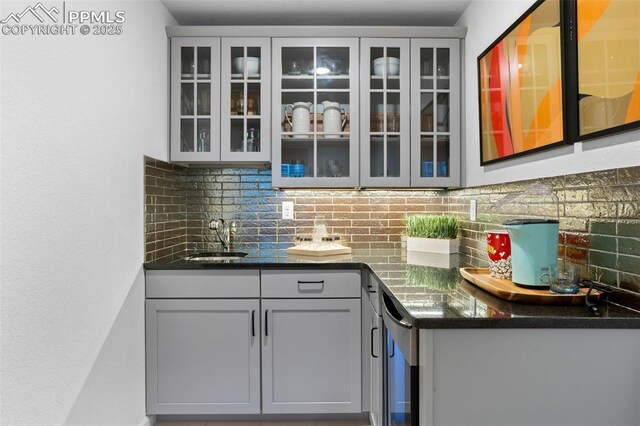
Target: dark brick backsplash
x=165 y=209
x=599 y=221
x=365 y=219
x=599 y=214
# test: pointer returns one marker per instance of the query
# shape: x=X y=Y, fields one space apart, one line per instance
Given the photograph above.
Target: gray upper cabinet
x=195 y=99
x=315 y=112
x=385 y=99
x=435 y=113
x=203 y=356
x=355 y=110
x=244 y=102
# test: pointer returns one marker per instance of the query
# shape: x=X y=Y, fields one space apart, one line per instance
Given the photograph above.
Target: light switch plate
x=473 y=210
x=287 y=209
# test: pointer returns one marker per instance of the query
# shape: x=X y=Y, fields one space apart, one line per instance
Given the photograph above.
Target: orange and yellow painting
x=608 y=64
x=520 y=77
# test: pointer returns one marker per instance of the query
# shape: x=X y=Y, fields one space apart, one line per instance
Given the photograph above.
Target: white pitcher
x=332 y=119
x=301 y=115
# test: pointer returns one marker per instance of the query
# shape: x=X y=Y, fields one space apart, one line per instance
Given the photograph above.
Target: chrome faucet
x=223 y=230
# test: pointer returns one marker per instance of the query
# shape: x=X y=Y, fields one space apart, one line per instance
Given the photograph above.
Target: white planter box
x=436 y=260
x=432 y=245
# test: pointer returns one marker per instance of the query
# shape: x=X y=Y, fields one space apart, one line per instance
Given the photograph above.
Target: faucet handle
x=214 y=224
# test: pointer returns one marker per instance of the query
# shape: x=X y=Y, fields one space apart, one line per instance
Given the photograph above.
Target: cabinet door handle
x=311 y=285
x=372 y=330
x=253 y=323
x=266 y=322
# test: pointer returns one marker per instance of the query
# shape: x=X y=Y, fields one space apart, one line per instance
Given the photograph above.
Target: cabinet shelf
x=297 y=90
x=318 y=77
x=190 y=77
x=385 y=91
x=242 y=117
x=297 y=76
x=346 y=91
x=239 y=78
x=435 y=90
x=435 y=133
x=289 y=137
x=380 y=135
x=333 y=76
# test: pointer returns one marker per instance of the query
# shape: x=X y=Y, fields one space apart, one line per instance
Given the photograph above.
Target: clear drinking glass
x=320 y=229
x=565 y=281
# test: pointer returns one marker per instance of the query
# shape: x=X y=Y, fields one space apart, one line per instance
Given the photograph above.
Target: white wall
x=78 y=114
x=486 y=20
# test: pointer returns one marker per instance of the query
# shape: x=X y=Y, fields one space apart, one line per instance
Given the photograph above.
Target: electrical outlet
x=473 y=210
x=287 y=209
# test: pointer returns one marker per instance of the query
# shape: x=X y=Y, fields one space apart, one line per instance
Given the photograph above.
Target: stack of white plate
x=393 y=66
x=253 y=65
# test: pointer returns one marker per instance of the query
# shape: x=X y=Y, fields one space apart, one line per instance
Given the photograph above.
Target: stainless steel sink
x=216 y=256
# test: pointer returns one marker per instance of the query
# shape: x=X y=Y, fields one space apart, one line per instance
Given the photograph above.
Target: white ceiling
x=317 y=12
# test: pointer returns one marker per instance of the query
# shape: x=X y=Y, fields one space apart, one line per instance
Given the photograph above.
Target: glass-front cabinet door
x=435 y=113
x=195 y=94
x=245 y=89
x=315 y=113
x=385 y=135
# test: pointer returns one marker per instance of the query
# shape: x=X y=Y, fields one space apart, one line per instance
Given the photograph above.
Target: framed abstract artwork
x=521 y=86
x=608 y=67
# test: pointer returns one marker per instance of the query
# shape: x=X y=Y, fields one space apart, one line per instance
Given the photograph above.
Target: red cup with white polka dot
x=499 y=251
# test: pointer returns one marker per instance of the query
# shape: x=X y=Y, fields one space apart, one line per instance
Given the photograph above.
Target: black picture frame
x=564 y=40
x=573 y=72
x=570 y=84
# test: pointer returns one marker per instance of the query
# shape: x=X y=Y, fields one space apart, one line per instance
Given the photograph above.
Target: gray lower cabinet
x=311 y=356
x=248 y=342
x=529 y=377
x=203 y=356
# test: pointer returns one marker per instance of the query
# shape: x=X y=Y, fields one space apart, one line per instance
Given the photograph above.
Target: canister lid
x=528 y=221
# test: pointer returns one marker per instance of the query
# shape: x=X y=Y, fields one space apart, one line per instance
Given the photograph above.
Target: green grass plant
x=432 y=226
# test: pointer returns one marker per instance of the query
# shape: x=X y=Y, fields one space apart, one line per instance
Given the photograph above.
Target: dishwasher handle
x=393 y=313
x=404 y=335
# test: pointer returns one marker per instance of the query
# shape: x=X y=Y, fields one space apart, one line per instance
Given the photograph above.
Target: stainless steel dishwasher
x=400 y=366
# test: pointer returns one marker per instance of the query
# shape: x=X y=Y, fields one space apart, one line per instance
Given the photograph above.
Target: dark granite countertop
x=433 y=296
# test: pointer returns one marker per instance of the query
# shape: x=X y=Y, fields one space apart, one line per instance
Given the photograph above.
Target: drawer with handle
x=206 y=283
x=311 y=284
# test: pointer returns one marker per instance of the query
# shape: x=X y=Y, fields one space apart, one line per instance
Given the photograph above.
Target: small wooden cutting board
x=507 y=290
x=307 y=251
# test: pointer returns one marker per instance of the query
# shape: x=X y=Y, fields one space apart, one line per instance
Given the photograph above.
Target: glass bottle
x=203 y=141
x=252 y=140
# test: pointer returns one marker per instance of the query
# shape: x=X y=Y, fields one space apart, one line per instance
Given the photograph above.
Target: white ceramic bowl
x=393 y=66
x=253 y=65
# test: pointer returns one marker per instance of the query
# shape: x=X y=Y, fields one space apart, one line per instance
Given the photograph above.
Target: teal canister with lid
x=534 y=246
